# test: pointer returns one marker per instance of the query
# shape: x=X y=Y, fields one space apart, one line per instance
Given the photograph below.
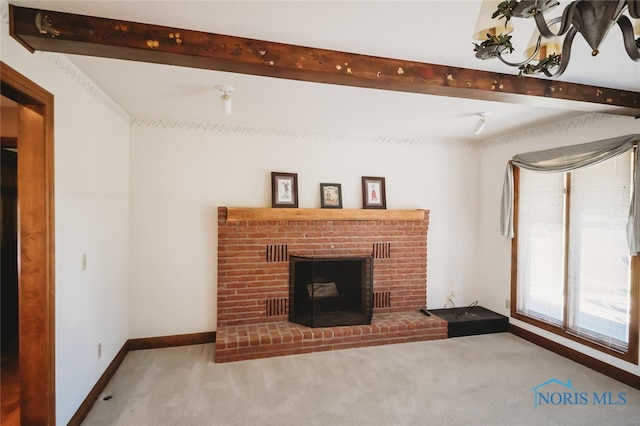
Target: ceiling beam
x=111 y=38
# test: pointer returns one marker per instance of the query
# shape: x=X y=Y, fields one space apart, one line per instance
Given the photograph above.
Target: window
x=573 y=273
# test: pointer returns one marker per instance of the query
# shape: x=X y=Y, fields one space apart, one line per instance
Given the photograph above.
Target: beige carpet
x=476 y=380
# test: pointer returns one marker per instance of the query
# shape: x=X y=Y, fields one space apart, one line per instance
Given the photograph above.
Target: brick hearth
x=251 y=341
x=254 y=246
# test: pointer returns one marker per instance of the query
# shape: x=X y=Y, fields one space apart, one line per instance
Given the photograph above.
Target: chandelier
x=548 y=53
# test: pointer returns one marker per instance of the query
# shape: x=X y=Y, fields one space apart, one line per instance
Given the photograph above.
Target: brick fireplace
x=254 y=249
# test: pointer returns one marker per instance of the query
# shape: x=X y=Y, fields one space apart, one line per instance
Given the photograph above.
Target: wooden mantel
x=241 y=214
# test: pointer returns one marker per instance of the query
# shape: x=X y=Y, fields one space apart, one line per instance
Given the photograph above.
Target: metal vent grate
x=276 y=306
x=382 y=299
x=381 y=250
x=277 y=253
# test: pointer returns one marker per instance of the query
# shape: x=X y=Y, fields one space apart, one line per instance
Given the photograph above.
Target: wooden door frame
x=36 y=245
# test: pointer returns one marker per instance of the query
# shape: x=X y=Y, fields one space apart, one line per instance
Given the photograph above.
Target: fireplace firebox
x=326 y=292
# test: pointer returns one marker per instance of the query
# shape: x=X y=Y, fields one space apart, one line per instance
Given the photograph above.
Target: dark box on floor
x=471 y=320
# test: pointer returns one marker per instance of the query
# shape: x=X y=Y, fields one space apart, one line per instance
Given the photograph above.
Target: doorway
x=9 y=268
x=35 y=235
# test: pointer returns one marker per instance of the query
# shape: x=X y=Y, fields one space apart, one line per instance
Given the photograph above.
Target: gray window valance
x=572 y=157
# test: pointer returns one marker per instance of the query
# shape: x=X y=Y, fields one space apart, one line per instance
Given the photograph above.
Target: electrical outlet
x=84 y=261
x=449 y=300
x=99 y=350
x=507 y=303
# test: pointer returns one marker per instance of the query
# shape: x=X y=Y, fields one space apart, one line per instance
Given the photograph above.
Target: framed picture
x=373 y=193
x=330 y=196
x=284 y=189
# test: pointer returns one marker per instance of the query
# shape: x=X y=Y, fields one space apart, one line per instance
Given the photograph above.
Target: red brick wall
x=246 y=280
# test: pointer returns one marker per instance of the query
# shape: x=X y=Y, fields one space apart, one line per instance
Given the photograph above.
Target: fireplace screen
x=326 y=292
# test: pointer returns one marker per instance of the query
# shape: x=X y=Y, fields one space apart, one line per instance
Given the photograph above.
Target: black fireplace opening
x=325 y=292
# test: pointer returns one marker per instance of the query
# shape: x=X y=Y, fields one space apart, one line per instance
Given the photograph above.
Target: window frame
x=631 y=354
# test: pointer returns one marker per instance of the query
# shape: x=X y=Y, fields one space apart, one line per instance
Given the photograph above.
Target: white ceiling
x=436 y=32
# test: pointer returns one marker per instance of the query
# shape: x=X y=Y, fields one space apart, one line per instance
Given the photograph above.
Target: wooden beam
x=111 y=38
x=245 y=214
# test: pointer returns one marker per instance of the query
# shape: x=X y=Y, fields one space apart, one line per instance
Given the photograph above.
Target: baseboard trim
x=93 y=395
x=574 y=355
x=133 y=345
x=170 y=341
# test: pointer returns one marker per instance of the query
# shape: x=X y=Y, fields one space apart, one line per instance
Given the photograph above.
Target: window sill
x=631 y=355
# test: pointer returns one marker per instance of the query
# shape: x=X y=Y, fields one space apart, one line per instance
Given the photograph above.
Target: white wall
x=181 y=172
x=91 y=216
x=493 y=283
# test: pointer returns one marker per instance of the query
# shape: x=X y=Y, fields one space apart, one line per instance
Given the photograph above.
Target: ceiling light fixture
x=591 y=18
x=225 y=95
x=482 y=122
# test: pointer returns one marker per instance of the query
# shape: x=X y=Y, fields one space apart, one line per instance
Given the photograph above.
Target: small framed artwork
x=331 y=195
x=373 y=193
x=284 y=189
